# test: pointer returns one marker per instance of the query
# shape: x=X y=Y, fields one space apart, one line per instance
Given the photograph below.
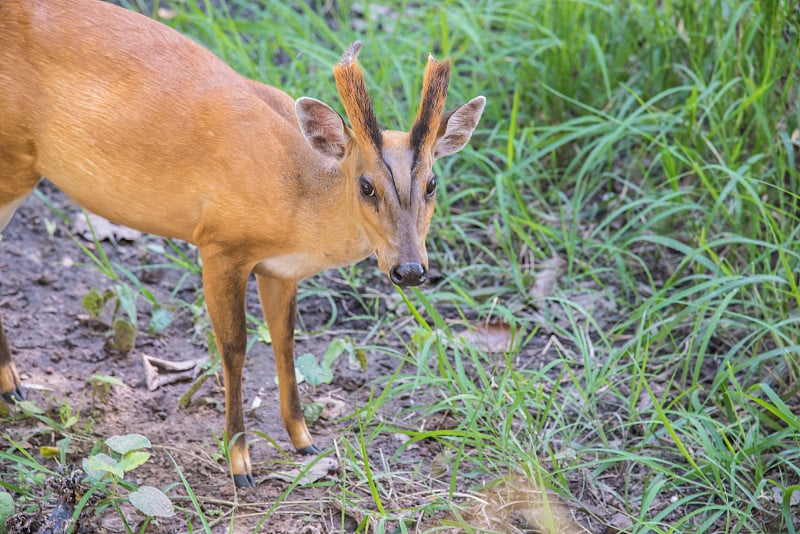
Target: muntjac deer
x=143 y=126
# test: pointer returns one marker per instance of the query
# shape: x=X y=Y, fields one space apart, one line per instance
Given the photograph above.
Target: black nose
x=408 y=274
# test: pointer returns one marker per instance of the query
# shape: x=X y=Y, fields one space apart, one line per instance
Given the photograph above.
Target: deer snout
x=408 y=274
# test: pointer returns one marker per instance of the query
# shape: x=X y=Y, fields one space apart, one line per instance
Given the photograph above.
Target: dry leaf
x=166 y=13
x=778 y=494
x=490 y=336
x=405 y=438
x=507 y=502
x=547 y=275
x=586 y=300
x=442 y=463
x=331 y=408
x=321 y=468
x=620 y=522
x=104 y=229
x=158 y=372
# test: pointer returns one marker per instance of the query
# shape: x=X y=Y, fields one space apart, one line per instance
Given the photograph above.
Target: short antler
x=356 y=100
x=434 y=94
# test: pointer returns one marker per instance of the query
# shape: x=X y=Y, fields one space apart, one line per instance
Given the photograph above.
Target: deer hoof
x=244 y=481
x=310 y=450
x=15 y=395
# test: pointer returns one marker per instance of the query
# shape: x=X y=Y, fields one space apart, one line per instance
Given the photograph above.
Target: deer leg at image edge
x=224 y=284
x=279 y=304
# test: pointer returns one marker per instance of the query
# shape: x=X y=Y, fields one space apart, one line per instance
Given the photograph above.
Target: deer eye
x=367 y=189
x=430 y=189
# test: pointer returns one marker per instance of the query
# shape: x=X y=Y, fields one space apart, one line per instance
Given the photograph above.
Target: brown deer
x=139 y=124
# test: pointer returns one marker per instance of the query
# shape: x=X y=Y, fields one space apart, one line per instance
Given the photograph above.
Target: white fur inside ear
x=461 y=123
x=322 y=127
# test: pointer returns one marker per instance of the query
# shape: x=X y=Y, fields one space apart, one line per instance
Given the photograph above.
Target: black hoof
x=310 y=450
x=15 y=395
x=244 y=481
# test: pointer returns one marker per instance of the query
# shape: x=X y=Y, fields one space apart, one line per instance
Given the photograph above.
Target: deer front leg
x=279 y=303
x=10 y=386
x=224 y=286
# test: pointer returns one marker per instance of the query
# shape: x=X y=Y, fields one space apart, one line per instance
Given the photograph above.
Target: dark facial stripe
x=391 y=177
x=403 y=201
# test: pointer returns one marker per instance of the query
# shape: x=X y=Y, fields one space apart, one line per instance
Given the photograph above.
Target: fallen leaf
x=151 y=501
x=778 y=495
x=166 y=13
x=331 y=408
x=321 y=468
x=489 y=336
x=404 y=439
x=104 y=229
x=585 y=300
x=512 y=500
x=442 y=463
x=547 y=275
x=158 y=372
x=620 y=522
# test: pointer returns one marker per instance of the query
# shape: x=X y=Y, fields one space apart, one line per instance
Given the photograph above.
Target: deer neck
x=327 y=233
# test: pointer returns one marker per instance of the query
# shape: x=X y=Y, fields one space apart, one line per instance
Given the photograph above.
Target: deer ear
x=456 y=127
x=323 y=128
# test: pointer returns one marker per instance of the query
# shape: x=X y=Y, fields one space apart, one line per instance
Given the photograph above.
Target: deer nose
x=408 y=274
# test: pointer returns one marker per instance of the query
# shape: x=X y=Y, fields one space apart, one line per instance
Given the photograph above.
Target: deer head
x=389 y=173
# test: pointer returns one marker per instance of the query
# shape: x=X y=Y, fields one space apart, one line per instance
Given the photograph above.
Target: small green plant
x=100 y=485
x=105 y=472
x=6 y=509
x=123 y=325
x=317 y=372
x=101 y=386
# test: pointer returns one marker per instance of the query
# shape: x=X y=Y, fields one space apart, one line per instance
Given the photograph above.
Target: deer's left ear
x=322 y=127
x=456 y=127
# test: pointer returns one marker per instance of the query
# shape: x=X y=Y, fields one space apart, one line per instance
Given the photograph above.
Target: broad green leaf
x=360 y=356
x=335 y=349
x=97 y=380
x=70 y=421
x=314 y=373
x=29 y=407
x=127 y=443
x=133 y=459
x=93 y=302
x=6 y=506
x=159 y=320
x=127 y=300
x=97 y=465
x=151 y=502
x=124 y=336
x=312 y=412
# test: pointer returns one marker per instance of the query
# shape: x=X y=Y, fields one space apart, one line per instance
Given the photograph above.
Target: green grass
x=653 y=146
